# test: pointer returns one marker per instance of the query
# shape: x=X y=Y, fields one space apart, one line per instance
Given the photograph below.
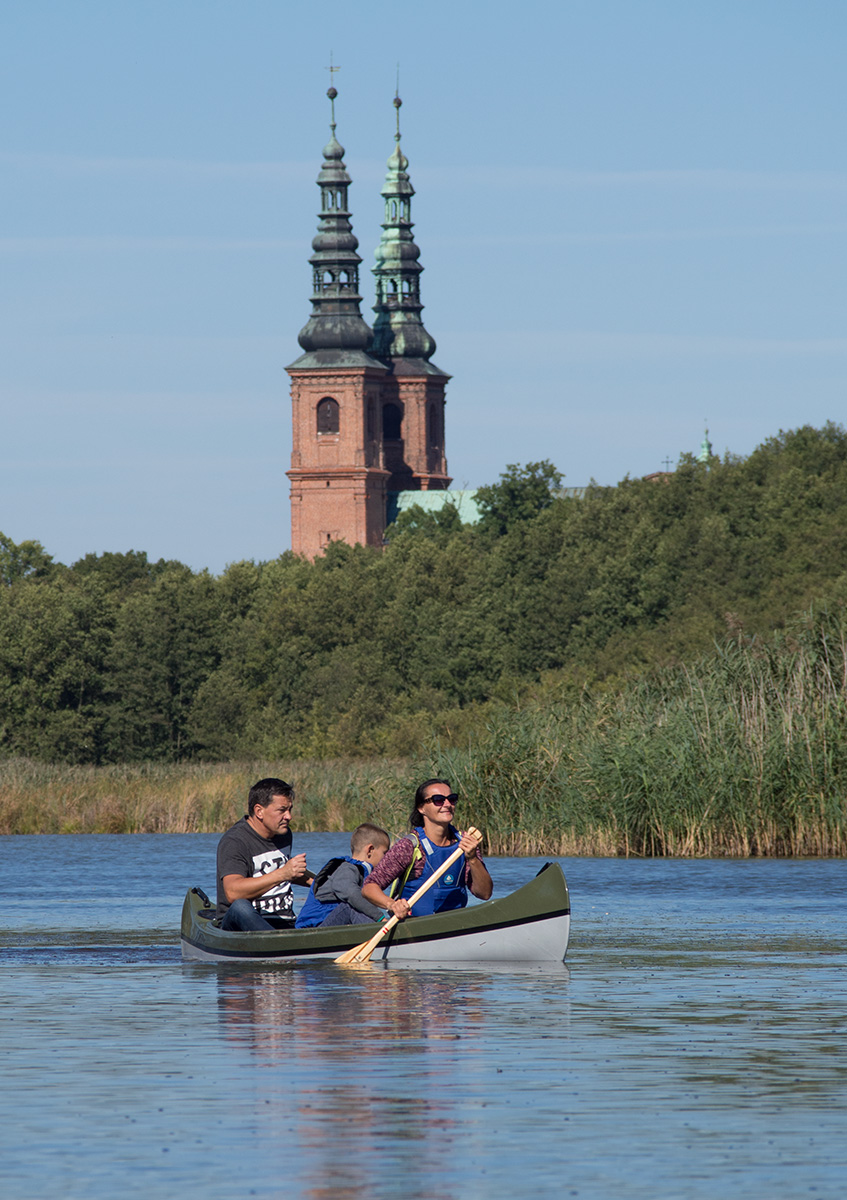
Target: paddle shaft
x=360 y=953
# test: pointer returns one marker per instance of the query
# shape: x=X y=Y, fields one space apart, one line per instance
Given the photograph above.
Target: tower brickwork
x=367 y=405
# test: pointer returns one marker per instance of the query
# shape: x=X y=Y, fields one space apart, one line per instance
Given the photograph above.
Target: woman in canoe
x=412 y=859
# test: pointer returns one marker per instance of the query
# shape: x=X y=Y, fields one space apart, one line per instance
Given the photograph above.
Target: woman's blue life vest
x=315 y=911
x=450 y=891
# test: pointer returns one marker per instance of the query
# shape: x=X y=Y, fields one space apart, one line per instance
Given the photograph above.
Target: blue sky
x=632 y=216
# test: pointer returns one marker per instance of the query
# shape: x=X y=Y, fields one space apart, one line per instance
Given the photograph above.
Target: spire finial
x=397 y=104
x=332 y=91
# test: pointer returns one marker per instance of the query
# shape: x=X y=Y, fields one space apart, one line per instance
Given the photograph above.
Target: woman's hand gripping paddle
x=361 y=954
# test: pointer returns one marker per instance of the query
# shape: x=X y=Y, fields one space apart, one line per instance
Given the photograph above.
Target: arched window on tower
x=433 y=453
x=434 y=427
x=392 y=423
x=327 y=415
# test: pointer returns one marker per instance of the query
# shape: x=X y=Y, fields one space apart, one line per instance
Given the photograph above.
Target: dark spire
x=336 y=322
x=398 y=329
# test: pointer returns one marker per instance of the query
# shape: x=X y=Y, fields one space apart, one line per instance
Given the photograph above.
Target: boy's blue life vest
x=315 y=911
x=450 y=891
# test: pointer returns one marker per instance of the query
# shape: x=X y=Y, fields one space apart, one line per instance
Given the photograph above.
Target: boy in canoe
x=335 y=897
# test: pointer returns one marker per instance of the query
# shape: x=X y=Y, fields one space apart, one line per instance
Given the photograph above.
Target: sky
x=632 y=217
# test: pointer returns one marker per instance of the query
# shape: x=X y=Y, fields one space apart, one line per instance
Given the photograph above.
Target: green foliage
x=54 y=639
x=120 y=573
x=463 y=634
x=419 y=521
x=26 y=560
x=521 y=494
x=164 y=647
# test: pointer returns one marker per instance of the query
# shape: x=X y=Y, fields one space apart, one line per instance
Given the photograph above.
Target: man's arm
x=248 y=887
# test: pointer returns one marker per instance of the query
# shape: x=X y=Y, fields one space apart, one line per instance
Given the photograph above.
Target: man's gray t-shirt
x=242 y=851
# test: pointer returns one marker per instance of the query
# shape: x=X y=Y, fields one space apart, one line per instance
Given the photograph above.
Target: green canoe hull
x=531 y=924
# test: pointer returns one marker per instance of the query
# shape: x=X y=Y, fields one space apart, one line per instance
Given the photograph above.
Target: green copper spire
x=705 y=448
x=398 y=329
x=336 y=322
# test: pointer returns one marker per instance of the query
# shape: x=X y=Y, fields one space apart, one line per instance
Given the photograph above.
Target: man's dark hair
x=416 y=816
x=262 y=792
x=367 y=835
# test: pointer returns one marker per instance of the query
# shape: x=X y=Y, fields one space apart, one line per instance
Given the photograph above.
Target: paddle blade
x=362 y=952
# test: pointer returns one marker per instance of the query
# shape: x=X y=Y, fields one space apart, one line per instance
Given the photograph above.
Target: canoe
x=529 y=925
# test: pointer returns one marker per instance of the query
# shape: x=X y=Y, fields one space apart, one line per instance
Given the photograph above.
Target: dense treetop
x=119 y=659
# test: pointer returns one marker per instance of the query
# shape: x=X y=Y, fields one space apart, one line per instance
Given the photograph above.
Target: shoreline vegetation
x=745 y=754
x=657 y=668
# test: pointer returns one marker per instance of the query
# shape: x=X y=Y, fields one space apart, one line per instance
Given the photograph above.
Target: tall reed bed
x=746 y=754
x=743 y=754
x=189 y=797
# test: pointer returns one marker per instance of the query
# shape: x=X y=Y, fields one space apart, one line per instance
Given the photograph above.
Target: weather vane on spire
x=397 y=103
x=332 y=91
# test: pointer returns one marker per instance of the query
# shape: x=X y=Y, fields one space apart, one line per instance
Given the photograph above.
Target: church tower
x=367 y=405
x=413 y=392
x=338 y=484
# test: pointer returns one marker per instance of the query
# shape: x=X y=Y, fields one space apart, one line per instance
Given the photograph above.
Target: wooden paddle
x=362 y=953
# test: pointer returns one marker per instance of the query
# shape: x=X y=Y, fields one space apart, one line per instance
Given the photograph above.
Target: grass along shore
x=743 y=754
x=37 y=797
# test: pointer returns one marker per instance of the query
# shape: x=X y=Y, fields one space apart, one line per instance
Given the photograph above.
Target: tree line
x=364 y=652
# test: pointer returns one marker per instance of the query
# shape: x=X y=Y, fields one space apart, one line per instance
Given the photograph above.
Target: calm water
x=693 y=1046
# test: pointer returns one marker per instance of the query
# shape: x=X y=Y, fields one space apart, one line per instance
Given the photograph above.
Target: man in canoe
x=255 y=866
x=335 y=897
x=412 y=859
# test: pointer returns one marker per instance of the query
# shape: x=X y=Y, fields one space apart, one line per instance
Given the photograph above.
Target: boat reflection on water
x=318 y=1006
x=357 y=1055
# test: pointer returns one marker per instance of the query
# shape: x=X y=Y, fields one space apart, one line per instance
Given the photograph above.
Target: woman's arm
x=479 y=881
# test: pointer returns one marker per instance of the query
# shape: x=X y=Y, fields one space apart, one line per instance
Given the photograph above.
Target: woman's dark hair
x=416 y=816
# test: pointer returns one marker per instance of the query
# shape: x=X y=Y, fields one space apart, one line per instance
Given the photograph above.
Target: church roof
x=464 y=500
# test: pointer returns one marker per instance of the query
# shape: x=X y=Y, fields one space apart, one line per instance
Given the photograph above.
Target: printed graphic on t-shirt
x=279 y=901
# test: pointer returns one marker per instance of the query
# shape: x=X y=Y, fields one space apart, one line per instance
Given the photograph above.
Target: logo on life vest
x=449 y=878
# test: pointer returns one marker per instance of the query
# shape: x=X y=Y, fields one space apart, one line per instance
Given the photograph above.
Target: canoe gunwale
x=541 y=905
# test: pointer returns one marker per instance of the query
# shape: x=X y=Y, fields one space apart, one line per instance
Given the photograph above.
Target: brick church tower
x=367 y=405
